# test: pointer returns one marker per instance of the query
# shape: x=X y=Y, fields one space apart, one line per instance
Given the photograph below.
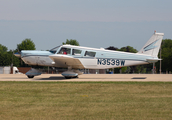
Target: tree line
x=7 y=57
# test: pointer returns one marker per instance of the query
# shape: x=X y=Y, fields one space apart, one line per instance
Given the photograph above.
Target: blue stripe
x=150 y=46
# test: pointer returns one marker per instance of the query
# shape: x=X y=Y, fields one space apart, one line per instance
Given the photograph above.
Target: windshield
x=54 y=49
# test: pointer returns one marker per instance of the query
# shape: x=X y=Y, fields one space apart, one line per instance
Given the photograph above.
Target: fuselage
x=83 y=57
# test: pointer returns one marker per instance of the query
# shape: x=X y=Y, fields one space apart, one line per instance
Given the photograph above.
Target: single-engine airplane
x=77 y=57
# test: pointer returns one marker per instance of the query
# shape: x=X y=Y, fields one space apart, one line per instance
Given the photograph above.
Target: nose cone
x=17 y=54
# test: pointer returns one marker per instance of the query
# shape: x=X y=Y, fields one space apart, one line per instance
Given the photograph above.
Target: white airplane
x=77 y=57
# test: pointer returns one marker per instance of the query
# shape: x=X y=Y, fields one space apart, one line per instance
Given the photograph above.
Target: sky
x=93 y=23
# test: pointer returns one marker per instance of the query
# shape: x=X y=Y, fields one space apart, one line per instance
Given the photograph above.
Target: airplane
x=78 y=57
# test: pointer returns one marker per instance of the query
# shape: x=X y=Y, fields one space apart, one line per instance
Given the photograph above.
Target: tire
x=30 y=76
x=75 y=77
x=68 y=77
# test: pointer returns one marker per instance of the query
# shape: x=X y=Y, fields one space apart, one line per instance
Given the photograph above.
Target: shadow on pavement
x=56 y=78
x=139 y=78
x=52 y=78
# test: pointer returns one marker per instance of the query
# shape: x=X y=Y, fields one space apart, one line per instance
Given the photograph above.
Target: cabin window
x=64 y=51
x=90 y=54
x=76 y=52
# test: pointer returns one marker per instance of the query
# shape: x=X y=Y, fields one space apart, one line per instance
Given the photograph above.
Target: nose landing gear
x=33 y=72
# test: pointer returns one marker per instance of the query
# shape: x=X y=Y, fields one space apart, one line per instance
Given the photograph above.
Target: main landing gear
x=32 y=73
x=71 y=74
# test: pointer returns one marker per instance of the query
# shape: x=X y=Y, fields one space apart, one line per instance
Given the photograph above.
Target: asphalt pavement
x=90 y=77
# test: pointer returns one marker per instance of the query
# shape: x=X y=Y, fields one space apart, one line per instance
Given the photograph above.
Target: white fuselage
x=88 y=58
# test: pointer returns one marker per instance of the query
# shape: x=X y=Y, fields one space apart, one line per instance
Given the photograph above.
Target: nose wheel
x=30 y=76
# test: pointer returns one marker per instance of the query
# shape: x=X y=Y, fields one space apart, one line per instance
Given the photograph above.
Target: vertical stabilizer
x=153 y=45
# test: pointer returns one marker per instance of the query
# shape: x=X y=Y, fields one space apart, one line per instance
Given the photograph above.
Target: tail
x=153 y=45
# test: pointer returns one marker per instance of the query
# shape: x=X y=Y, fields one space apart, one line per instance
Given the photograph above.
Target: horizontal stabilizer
x=153 y=60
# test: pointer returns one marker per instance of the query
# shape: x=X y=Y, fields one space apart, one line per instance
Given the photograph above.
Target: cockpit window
x=90 y=54
x=54 y=50
x=76 y=52
x=64 y=51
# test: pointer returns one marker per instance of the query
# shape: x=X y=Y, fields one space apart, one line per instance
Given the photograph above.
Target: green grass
x=86 y=100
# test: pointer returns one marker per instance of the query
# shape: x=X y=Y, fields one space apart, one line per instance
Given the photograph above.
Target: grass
x=86 y=100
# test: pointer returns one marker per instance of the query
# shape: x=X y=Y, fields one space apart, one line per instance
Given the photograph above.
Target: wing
x=66 y=61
